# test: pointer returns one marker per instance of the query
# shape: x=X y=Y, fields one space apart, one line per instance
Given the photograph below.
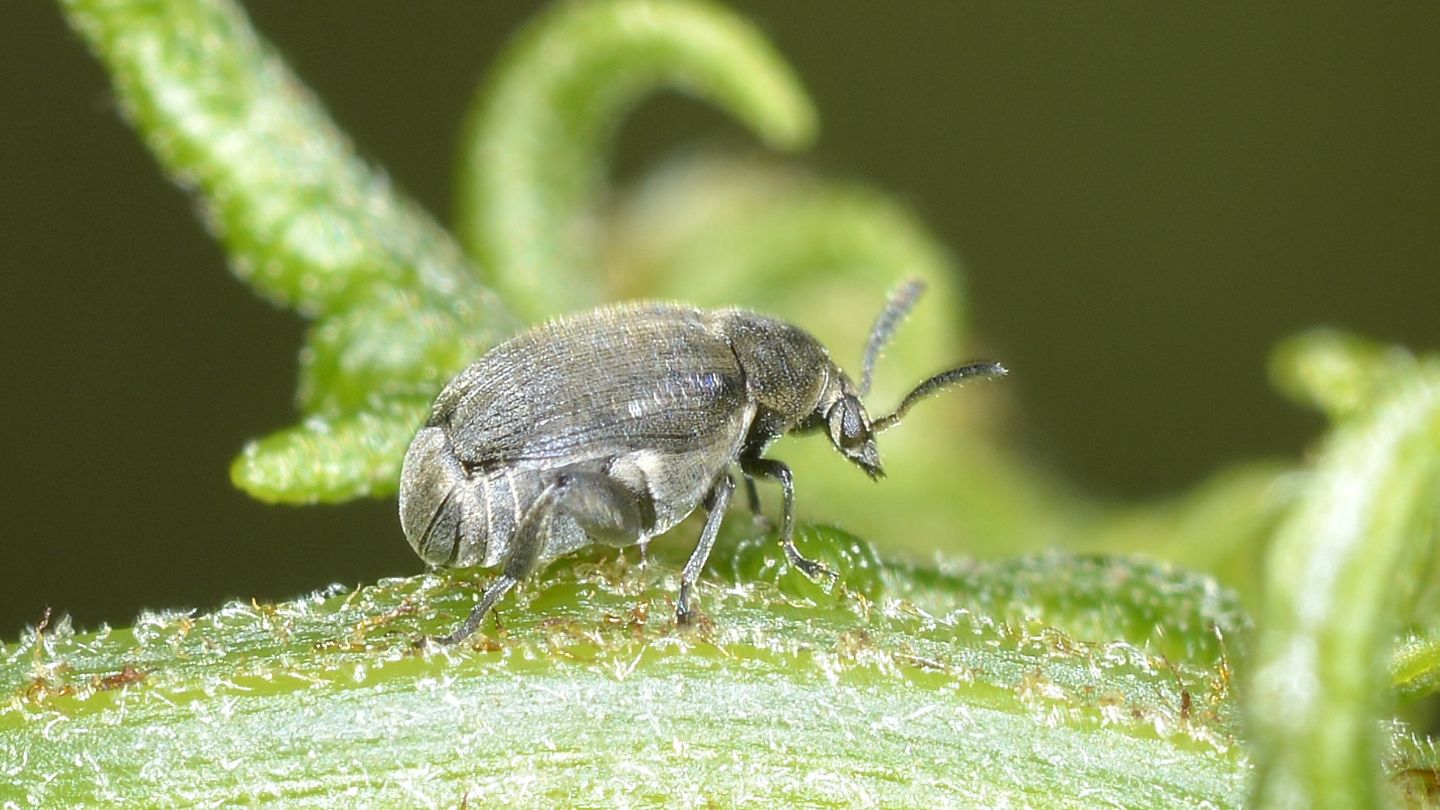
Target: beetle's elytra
x=613 y=425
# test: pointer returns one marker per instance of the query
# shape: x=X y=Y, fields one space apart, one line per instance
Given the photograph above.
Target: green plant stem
x=303 y=219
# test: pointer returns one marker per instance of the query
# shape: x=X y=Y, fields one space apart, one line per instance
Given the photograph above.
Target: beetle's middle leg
x=605 y=509
x=770 y=468
x=715 y=503
x=753 y=497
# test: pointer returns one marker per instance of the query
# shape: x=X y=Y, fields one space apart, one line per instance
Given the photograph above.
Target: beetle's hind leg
x=497 y=589
x=602 y=507
x=770 y=468
x=715 y=503
x=525 y=548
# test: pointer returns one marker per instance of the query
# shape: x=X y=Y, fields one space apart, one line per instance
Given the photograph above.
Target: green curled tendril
x=534 y=161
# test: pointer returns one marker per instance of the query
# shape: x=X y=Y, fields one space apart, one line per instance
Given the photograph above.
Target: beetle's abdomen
x=449 y=517
x=455 y=518
x=436 y=501
x=430 y=511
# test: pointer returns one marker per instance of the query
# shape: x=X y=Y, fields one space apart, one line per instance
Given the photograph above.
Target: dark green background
x=1145 y=198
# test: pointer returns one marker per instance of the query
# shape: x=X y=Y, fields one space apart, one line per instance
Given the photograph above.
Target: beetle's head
x=850 y=432
x=851 y=429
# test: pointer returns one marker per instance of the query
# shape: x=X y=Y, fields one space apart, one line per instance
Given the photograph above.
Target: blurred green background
x=1145 y=200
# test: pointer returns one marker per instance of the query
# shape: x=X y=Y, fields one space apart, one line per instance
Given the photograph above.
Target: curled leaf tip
x=534 y=156
x=1336 y=372
x=330 y=460
x=307 y=224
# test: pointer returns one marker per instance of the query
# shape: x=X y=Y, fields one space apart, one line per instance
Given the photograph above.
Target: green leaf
x=1049 y=681
x=534 y=159
x=1415 y=666
x=365 y=452
x=398 y=309
x=1336 y=575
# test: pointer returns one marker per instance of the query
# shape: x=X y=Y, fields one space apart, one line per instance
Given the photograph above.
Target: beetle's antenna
x=940 y=381
x=900 y=303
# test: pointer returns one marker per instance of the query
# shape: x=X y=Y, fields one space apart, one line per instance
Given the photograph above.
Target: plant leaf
x=1338 y=373
x=363 y=452
x=1336 y=575
x=1046 y=681
x=398 y=309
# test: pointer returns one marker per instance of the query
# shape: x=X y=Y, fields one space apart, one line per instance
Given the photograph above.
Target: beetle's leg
x=497 y=589
x=604 y=508
x=524 y=551
x=770 y=468
x=715 y=503
x=753 y=496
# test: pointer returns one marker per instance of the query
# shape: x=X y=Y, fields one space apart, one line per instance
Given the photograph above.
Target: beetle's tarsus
x=810 y=568
x=687 y=616
x=497 y=589
x=684 y=617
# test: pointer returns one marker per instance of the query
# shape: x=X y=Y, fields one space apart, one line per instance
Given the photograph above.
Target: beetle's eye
x=847 y=424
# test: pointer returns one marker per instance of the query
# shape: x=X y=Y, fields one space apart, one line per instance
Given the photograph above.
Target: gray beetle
x=613 y=425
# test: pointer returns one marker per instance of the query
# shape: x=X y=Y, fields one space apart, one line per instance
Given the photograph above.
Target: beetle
x=611 y=426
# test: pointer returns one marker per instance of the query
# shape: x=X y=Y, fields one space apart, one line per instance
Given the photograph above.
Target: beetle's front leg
x=715 y=503
x=770 y=468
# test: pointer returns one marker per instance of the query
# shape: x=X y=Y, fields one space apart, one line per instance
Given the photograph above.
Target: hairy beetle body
x=612 y=426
